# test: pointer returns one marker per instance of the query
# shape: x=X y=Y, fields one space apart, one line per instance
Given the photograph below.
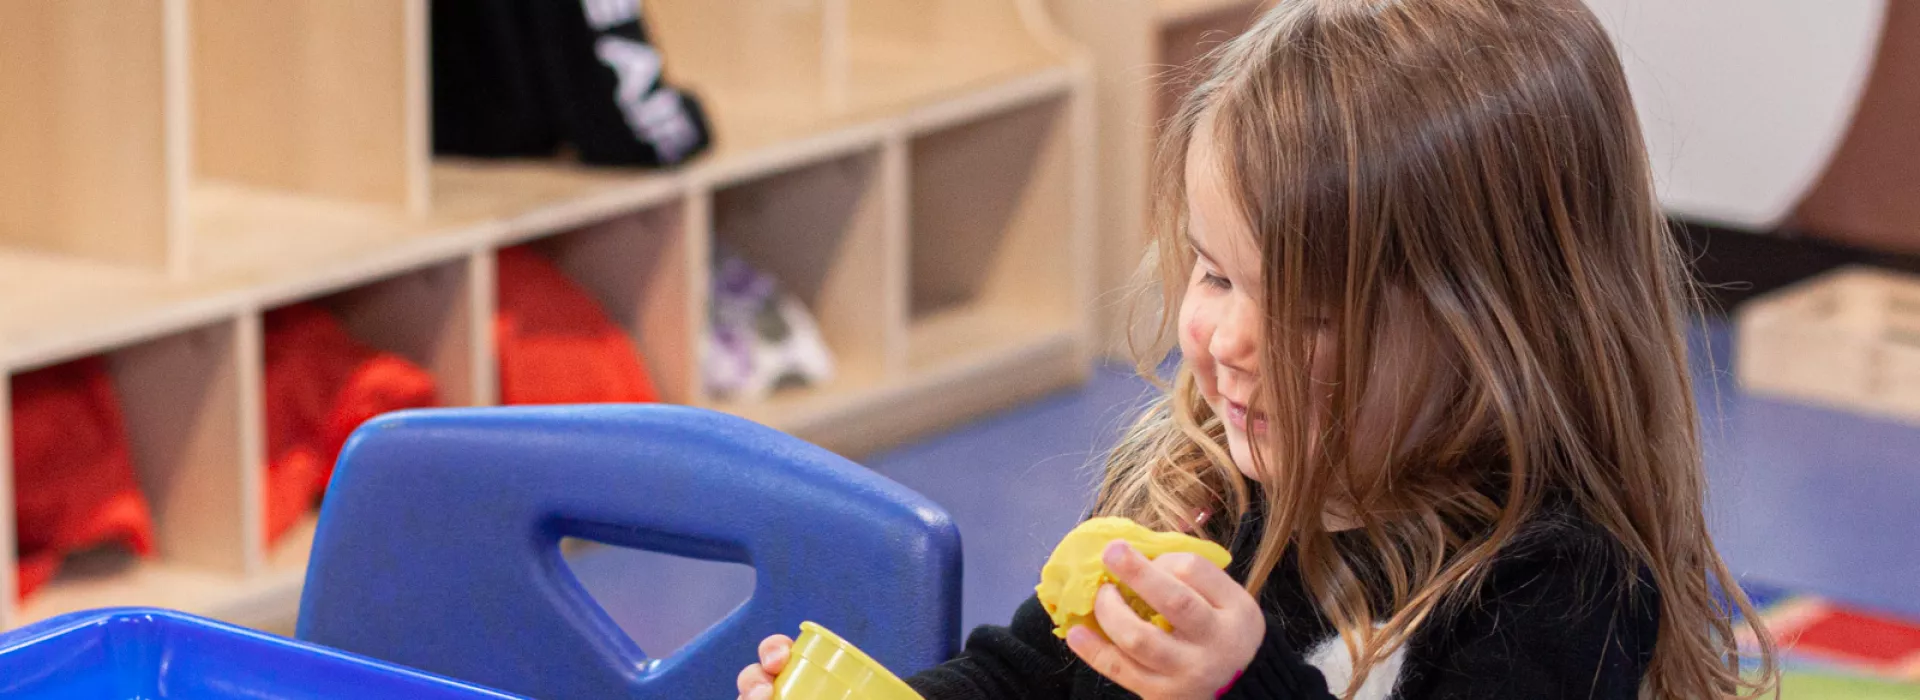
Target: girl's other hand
x=756 y=681
x=1217 y=627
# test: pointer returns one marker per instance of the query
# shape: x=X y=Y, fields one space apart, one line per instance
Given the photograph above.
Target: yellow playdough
x=1075 y=572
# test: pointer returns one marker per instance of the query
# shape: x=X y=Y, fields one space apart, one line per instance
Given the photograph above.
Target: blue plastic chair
x=438 y=547
x=149 y=654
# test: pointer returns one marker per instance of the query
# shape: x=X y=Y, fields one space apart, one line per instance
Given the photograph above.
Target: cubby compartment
x=899 y=53
x=776 y=70
x=760 y=66
x=994 y=256
x=181 y=400
x=317 y=97
x=640 y=268
x=93 y=131
x=428 y=317
x=821 y=231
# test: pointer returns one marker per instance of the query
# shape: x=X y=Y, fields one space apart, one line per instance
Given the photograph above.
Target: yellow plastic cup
x=823 y=666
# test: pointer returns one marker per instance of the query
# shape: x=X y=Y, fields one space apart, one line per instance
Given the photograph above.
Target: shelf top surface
x=113 y=579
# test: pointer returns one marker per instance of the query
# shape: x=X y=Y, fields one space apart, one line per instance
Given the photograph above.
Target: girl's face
x=1221 y=323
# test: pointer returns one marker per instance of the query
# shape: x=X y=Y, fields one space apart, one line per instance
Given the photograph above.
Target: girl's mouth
x=1239 y=417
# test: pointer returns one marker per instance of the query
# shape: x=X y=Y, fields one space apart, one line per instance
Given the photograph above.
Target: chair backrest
x=438 y=547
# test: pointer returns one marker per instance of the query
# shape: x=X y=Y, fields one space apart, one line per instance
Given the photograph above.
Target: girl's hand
x=756 y=681
x=1217 y=627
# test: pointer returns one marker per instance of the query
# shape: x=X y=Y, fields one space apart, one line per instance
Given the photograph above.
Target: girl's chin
x=1237 y=448
x=1247 y=471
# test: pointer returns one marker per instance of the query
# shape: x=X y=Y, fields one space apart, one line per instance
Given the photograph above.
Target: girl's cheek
x=1193 y=334
x=1195 y=331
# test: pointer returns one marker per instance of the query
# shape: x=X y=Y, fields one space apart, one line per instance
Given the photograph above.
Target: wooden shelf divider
x=896 y=306
x=920 y=172
x=483 y=364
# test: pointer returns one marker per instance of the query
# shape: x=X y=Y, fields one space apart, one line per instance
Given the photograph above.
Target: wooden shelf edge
x=1050 y=83
x=268 y=599
x=978 y=358
x=623 y=193
x=42 y=349
x=789 y=407
x=828 y=145
x=936 y=339
x=390 y=263
x=254 y=600
x=945 y=396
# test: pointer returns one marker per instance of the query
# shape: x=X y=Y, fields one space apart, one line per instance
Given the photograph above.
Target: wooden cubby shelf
x=918 y=172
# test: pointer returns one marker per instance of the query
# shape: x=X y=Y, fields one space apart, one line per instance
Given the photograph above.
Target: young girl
x=1433 y=390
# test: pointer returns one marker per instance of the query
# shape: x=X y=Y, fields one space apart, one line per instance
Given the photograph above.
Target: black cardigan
x=1551 y=621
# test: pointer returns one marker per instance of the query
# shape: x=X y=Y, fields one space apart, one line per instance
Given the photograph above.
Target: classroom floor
x=1806 y=499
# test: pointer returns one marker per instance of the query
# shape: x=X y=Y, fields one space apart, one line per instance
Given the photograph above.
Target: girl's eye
x=1215 y=281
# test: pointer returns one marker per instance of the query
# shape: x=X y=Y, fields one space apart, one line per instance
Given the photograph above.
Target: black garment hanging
x=523 y=77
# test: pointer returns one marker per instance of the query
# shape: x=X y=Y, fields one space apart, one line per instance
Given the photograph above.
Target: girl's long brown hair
x=1472 y=170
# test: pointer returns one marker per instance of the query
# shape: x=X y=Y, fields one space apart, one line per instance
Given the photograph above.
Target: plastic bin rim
x=70 y=622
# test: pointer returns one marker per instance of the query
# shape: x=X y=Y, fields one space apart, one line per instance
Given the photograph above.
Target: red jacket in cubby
x=321 y=385
x=556 y=344
x=73 y=474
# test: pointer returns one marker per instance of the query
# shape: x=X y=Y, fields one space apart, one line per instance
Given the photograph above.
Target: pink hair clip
x=1198 y=520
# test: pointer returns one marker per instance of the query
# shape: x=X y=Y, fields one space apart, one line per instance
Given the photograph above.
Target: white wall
x=1743 y=101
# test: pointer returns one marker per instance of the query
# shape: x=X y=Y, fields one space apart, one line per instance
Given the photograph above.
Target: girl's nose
x=1236 y=340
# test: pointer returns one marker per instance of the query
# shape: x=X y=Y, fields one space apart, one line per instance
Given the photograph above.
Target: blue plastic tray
x=143 y=653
